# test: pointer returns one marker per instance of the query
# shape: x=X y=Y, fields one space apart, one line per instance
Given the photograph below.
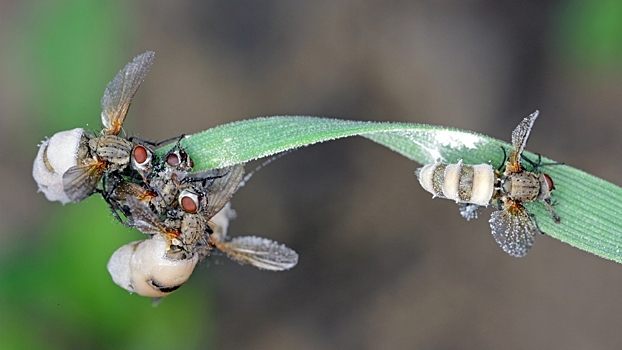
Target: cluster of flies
x=475 y=186
x=185 y=213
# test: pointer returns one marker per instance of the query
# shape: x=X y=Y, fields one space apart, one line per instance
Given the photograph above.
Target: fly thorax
x=167 y=188
x=172 y=222
x=169 y=193
x=523 y=186
x=192 y=229
x=112 y=149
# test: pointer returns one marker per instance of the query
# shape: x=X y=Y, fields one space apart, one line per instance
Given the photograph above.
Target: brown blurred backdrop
x=382 y=265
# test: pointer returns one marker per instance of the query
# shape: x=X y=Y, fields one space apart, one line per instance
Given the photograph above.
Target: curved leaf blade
x=590 y=208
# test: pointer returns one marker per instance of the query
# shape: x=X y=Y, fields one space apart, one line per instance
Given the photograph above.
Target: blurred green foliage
x=55 y=291
x=58 y=292
x=589 y=33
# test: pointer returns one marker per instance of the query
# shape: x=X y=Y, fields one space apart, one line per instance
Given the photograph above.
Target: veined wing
x=145 y=220
x=513 y=229
x=219 y=185
x=519 y=140
x=260 y=252
x=80 y=181
x=125 y=189
x=120 y=91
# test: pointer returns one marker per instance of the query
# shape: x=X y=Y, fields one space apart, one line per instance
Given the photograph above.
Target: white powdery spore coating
x=142 y=267
x=456 y=140
x=61 y=152
x=119 y=265
x=434 y=142
x=221 y=220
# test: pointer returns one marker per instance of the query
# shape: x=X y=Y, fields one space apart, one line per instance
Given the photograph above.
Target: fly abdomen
x=462 y=183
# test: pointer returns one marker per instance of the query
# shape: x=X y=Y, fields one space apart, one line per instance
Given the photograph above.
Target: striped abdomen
x=462 y=183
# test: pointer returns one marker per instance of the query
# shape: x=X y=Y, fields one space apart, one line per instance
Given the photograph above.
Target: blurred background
x=381 y=264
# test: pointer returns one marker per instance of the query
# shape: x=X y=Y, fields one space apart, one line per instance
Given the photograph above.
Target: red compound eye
x=140 y=155
x=549 y=182
x=189 y=202
x=172 y=159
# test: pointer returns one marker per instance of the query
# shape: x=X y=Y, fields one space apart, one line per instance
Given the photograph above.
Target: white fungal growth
x=221 y=221
x=434 y=144
x=142 y=267
x=456 y=140
x=55 y=156
x=473 y=184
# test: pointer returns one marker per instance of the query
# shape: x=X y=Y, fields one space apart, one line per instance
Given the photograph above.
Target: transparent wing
x=124 y=190
x=259 y=252
x=80 y=181
x=219 y=185
x=142 y=218
x=513 y=229
x=520 y=136
x=120 y=91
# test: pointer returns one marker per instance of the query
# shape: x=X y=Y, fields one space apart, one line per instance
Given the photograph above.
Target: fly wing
x=520 y=136
x=259 y=252
x=142 y=218
x=513 y=230
x=120 y=91
x=80 y=181
x=219 y=186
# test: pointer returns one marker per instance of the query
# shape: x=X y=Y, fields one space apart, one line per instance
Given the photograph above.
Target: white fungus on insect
x=459 y=182
x=221 y=221
x=142 y=267
x=55 y=156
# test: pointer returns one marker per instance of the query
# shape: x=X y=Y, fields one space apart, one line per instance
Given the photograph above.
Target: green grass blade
x=590 y=208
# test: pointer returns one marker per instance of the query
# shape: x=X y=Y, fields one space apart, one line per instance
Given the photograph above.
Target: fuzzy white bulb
x=55 y=156
x=142 y=267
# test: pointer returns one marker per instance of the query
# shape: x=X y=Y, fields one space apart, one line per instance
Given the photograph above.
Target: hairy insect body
x=470 y=184
x=113 y=150
x=524 y=186
x=160 y=196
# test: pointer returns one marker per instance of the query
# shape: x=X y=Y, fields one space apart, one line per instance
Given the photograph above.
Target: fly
x=474 y=186
x=107 y=152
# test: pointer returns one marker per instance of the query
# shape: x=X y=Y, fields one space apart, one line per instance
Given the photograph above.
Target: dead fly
x=186 y=221
x=146 y=221
x=512 y=226
x=167 y=176
x=260 y=252
x=153 y=181
x=143 y=267
x=107 y=152
x=471 y=185
x=474 y=186
x=201 y=197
